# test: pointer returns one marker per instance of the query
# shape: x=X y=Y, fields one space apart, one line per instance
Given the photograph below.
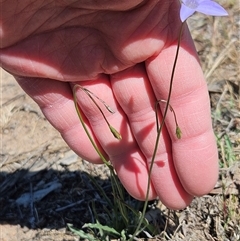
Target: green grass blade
x=104 y=228
x=81 y=233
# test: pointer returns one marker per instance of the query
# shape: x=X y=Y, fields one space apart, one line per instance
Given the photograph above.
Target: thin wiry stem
x=178 y=130
x=84 y=125
x=103 y=102
x=115 y=133
x=159 y=133
x=115 y=183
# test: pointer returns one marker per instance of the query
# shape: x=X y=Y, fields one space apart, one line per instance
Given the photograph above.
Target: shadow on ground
x=49 y=199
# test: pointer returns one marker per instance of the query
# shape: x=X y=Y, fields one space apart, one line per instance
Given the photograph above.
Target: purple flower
x=208 y=7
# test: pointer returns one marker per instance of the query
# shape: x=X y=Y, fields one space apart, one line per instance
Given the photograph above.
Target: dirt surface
x=44 y=185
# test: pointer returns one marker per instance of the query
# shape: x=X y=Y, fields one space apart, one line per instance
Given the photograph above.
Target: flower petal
x=211 y=8
x=185 y=12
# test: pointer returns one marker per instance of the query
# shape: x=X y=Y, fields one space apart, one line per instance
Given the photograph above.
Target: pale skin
x=122 y=51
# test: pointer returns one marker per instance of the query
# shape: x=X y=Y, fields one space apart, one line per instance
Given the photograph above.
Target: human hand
x=122 y=52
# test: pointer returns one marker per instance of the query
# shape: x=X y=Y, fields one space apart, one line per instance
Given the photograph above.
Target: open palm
x=122 y=52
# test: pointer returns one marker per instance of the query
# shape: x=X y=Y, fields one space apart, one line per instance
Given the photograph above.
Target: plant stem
x=178 y=130
x=159 y=133
x=114 y=180
x=89 y=94
x=84 y=126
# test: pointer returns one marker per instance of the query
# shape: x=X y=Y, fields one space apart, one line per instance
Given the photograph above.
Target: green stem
x=114 y=180
x=158 y=134
x=89 y=94
x=178 y=130
x=84 y=126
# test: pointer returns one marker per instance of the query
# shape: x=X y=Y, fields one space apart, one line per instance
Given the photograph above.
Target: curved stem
x=84 y=126
x=178 y=130
x=115 y=133
x=114 y=179
x=159 y=133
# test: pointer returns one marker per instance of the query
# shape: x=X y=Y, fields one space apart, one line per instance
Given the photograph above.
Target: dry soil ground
x=44 y=185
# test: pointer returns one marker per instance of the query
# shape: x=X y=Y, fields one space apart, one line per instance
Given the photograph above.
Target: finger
x=127 y=159
x=55 y=99
x=135 y=95
x=195 y=154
